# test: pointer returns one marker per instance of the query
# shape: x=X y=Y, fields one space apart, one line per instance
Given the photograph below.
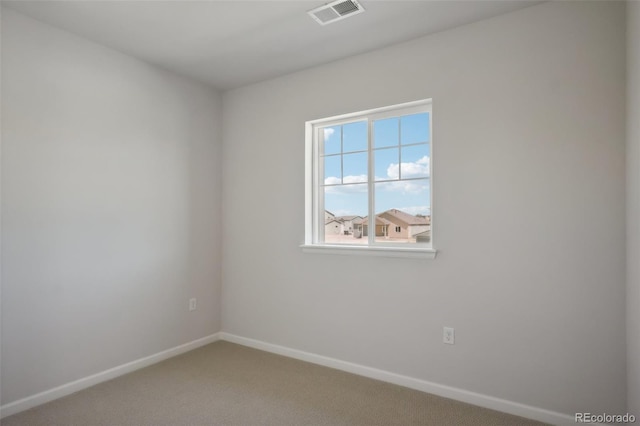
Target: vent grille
x=336 y=11
x=346 y=7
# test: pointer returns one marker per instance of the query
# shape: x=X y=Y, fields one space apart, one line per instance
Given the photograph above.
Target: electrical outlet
x=192 y=304
x=448 y=335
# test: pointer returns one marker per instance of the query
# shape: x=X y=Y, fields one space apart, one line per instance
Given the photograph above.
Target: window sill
x=411 y=253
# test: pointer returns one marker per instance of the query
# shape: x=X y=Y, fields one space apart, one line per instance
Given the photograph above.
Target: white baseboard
x=85 y=382
x=469 y=397
x=474 y=398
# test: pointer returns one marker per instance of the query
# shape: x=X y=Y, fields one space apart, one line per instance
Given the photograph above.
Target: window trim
x=312 y=223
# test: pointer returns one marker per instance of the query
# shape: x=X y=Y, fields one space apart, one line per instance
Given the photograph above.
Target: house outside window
x=369 y=173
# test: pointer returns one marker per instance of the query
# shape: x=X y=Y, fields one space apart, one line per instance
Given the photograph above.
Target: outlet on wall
x=448 y=335
x=192 y=304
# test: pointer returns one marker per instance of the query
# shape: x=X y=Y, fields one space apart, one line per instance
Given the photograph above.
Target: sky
x=401 y=148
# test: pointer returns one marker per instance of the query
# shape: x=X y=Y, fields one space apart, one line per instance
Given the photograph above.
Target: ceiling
x=228 y=44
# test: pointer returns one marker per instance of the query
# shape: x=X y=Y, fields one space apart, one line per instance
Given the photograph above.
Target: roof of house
x=426 y=233
x=348 y=217
x=401 y=218
x=423 y=236
x=365 y=221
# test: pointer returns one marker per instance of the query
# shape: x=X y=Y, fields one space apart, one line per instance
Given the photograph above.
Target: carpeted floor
x=228 y=384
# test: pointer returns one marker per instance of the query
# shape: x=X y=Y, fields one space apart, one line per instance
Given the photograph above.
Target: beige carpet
x=227 y=384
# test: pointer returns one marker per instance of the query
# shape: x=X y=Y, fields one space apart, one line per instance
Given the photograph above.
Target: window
x=371 y=172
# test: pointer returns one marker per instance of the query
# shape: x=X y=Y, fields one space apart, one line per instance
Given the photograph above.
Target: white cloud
x=415 y=169
x=332 y=180
x=414 y=210
x=404 y=186
x=397 y=186
x=328 y=132
x=345 y=189
x=355 y=179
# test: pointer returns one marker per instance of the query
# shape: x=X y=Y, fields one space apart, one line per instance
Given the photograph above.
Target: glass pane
x=354 y=137
x=386 y=163
x=355 y=167
x=415 y=161
x=345 y=208
x=332 y=170
x=385 y=132
x=403 y=211
x=415 y=128
x=331 y=143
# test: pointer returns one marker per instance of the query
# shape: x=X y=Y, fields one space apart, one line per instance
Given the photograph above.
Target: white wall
x=633 y=206
x=110 y=208
x=529 y=164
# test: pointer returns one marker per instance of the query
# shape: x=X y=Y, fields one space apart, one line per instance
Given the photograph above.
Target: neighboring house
x=361 y=227
x=405 y=225
x=392 y=224
x=358 y=227
x=333 y=226
x=423 y=237
x=328 y=216
x=348 y=222
x=339 y=224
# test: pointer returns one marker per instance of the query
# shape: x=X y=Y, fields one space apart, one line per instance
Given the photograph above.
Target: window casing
x=371 y=170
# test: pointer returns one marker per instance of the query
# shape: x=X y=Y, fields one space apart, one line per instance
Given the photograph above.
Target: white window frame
x=314 y=227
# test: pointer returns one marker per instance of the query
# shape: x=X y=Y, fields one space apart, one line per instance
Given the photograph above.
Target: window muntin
x=371 y=170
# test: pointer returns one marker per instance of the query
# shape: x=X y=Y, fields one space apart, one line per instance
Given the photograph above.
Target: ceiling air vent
x=335 y=11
